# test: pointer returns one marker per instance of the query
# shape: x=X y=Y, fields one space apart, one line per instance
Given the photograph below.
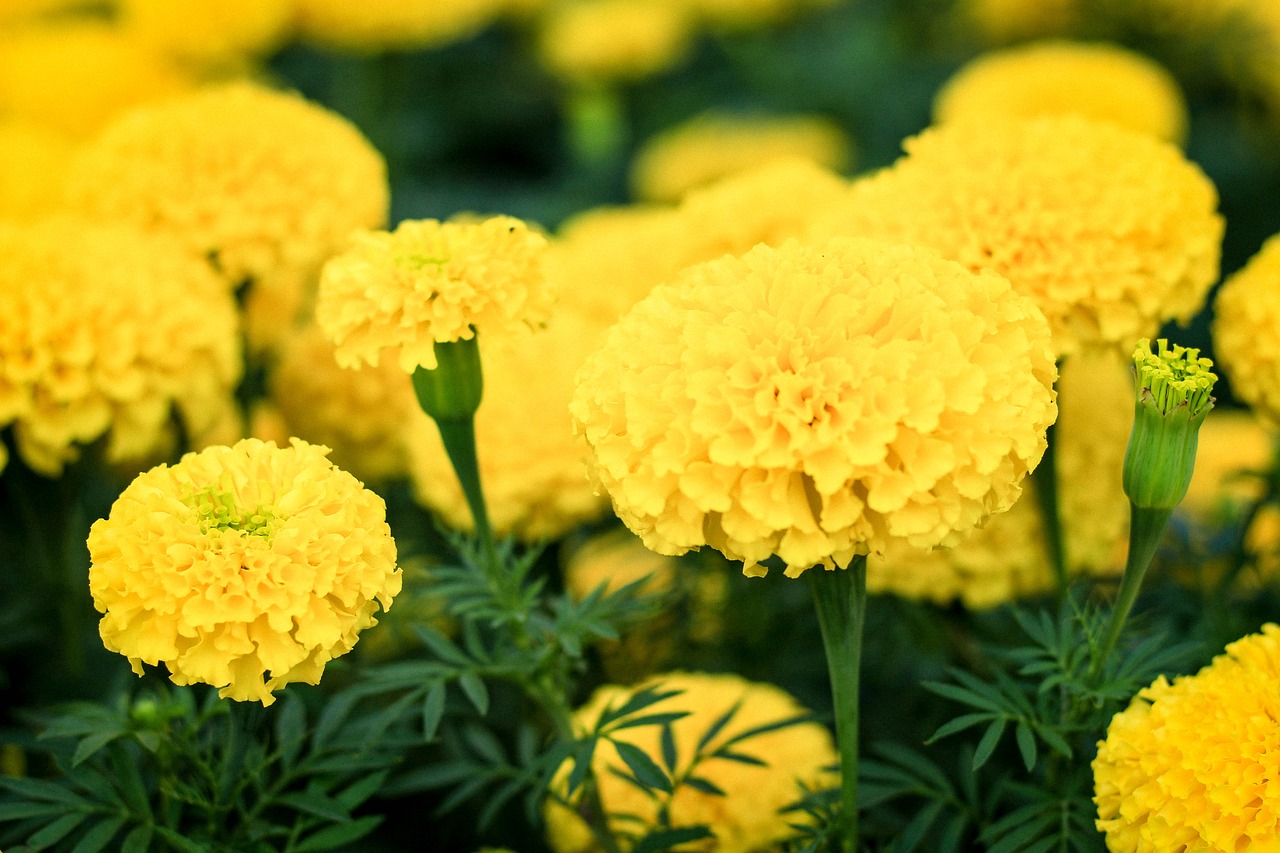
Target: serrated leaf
x=644 y=768
x=1026 y=745
x=333 y=837
x=668 y=839
x=473 y=687
x=986 y=746
x=100 y=835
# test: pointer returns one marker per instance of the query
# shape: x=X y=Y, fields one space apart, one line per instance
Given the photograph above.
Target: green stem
x=242 y=731
x=840 y=598
x=459 y=437
x=1146 y=530
x=1045 y=481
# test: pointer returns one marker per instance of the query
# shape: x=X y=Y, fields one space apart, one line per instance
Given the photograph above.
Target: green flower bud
x=1174 y=394
x=452 y=390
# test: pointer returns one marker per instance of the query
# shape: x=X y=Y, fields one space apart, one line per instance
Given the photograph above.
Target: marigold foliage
x=600 y=40
x=1195 y=765
x=747 y=817
x=106 y=331
x=244 y=567
x=393 y=24
x=817 y=402
x=430 y=281
x=1111 y=232
x=1246 y=330
x=614 y=559
x=1101 y=81
x=263 y=183
x=208 y=32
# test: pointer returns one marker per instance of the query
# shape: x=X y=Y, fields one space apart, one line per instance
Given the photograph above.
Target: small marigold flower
x=715 y=145
x=1111 y=232
x=428 y=282
x=816 y=403
x=265 y=184
x=749 y=815
x=378 y=25
x=604 y=40
x=105 y=331
x=208 y=32
x=1194 y=765
x=245 y=567
x=1246 y=330
x=1101 y=81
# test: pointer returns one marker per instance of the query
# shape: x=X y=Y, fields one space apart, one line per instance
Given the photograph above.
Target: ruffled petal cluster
x=244 y=567
x=430 y=281
x=379 y=25
x=749 y=816
x=107 y=331
x=264 y=184
x=816 y=402
x=1097 y=80
x=1246 y=330
x=208 y=32
x=600 y=40
x=1195 y=765
x=1111 y=232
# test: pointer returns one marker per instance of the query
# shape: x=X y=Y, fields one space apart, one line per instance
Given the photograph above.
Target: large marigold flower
x=208 y=32
x=245 y=567
x=106 y=331
x=1246 y=330
x=393 y=24
x=1195 y=765
x=748 y=816
x=263 y=183
x=1110 y=231
x=428 y=282
x=816 y=403
x=1100 y=81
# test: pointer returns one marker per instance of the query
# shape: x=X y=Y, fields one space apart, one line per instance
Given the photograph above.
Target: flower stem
x=459 y=437
x=1045 y=481
x=840 y=598
x=1146 y=530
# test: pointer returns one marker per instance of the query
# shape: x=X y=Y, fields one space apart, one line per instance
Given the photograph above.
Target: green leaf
x=582 y=756
x=914 y=832
x=56 y=831
x=333 y=837
x=740 y=757
x=433 y=710
x=497 y=800
x=668 y=839
x=137 y=841
x=355 y=794
x=291 y=728
x=962 y=696
x=335 y=712
x=129 y=779
x=988 y=744
x=486 y=745
x=706 y=786
x=40 y=789
x=91 y=744
x=756 y=731
x=1055 y=741
x=473 y=686
x=718 y=726
x=316 y=803
x=636 y=703
x=644 y=768
x=649 y=720
x=1026 y=745
x=24 y=811
x=668 y=745
x=953 y=835
x=97 y=838
x=959 y=724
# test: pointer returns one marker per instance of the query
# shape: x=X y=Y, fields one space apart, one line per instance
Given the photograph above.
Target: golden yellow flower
x=430 y=281
x=24 y=10
x=245 y=567
x=76 y=76
x=359 y=412
x=748 y=817
x=1111 y=232
x=393 y=24
x=816 y=402
x=1246 y=330
x=106 y=331
x=1195 y=765
x=208 y=32
x=715 y=145
x=602 y=40
x=33 y=165
x=531 y=465
x=1097 y=80
x=263 y=183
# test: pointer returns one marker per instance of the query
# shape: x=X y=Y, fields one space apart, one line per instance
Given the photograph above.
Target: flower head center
x=1174 y=376
x=217 y=509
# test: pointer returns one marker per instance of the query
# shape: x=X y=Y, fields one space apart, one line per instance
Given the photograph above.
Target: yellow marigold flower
x=393 y=24
x=263 y=183
x=1007 y=557
x=598 y=40
x=33 y=166
x=208 y=32
x=716 y=145
x=1101 y=81
x=1111 y=232
x=748 y=817
x=1246 y=330
x=245 y=567
x=76 y=76
x=531 y=465
x=107 y=332
x=1195 y=765
x=430 y=281
x=817 y=402
x=358 y=412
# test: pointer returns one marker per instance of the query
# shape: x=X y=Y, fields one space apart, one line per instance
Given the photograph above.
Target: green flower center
x=217 y=510
x=1174 y=376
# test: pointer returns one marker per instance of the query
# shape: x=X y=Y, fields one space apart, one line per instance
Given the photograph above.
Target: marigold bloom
x=430 y=281
x=105 y=331
x=600 y=40
x=208 y=32
x=263 y=183
x=1246 y=330
x=393 y=24
x=1100 y=81
x=817 y=402
x=1111 y=232
x=748 y=817
x=713 y=146
x=33 y=165
x=245 y=567
x=75 y=77
x=1195 y=765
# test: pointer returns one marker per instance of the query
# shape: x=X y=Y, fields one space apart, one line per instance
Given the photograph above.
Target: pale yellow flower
x=816 y=402
x=749 y=816
x=605 y=40
x=1246 y=330
x=208 y=32
x=1195 y=765
x=427 y=282
x=245 y=567
x=378 y=25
